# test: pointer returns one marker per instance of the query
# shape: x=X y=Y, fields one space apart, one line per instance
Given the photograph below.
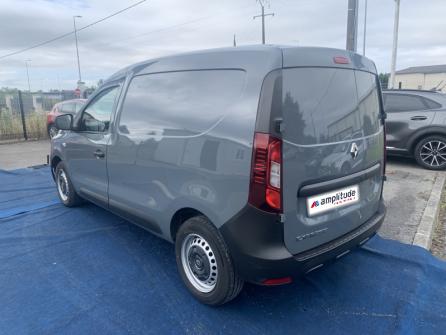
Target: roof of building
x=424 y=69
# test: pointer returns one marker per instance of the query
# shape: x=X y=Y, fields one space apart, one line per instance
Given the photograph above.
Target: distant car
x=64 y=107
x=416 y=126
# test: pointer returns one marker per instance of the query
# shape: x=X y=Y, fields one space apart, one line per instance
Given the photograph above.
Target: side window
x=431 y=104
x=394 y=103
x=78 y=106
x=67 y=108
x=96 y=117
x=179 y=103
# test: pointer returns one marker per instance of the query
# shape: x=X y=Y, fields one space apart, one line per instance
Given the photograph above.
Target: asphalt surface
x=23 y=154
x=406 y=190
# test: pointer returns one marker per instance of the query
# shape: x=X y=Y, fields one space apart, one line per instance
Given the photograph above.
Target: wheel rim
x=199 y=263
x=433 y=153
x=53 y=131
x=62 y=185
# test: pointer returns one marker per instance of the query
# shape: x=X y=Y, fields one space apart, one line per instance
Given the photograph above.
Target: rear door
x=406 y=113
x=332 y=153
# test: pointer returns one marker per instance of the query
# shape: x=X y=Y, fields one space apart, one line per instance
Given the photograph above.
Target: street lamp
x=77 y=48
x=365 y=28
x=395 y=44
x=27 y=73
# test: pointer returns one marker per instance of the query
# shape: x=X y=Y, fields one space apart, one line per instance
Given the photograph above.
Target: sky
x=163 y=27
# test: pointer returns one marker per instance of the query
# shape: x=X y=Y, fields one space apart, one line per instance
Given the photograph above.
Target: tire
x=52 y=131
x=65 y=189
x=430 y=152
x=197 y=243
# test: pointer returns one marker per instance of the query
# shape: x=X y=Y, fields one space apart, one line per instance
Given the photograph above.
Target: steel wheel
x=199 y=263
x=433 y=153
x=62 y=185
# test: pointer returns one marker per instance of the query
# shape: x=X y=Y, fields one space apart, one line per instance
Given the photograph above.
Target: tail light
x=50 y=117
x=266 y=173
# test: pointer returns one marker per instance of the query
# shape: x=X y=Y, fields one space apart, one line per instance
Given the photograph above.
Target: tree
x=384 y=79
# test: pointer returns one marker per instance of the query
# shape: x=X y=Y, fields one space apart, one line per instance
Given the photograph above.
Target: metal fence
x=23 y=115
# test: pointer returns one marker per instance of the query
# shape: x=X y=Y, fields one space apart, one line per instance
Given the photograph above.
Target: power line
x=71 y=32
x=263 y=19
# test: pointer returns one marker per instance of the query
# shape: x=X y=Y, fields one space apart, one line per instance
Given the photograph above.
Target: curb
x=429 y=220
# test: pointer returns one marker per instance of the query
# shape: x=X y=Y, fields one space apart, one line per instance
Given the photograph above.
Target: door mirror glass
x=64 y=122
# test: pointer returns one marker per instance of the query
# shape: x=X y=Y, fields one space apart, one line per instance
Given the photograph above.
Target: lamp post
x=27 y=73
x=365 y=28
x=395 y=44
x=77 y=48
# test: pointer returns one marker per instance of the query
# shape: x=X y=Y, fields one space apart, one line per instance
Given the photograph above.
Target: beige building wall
x=421 y=81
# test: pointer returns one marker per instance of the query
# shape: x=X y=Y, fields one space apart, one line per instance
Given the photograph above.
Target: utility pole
x=395 y=44
x=27 y=73
x=263 y=19
x=77 y=48
x=352 y=25
x=365 y=28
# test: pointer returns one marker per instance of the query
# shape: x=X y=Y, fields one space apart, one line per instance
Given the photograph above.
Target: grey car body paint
x=403 y=133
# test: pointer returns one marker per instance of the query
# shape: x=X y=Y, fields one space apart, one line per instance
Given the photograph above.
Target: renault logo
x=354 y=150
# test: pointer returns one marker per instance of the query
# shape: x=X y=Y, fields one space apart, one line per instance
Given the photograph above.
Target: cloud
x=161 y=27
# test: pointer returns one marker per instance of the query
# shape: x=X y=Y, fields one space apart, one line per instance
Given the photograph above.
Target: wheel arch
x=180 y=217
x=426 y=132
x=54 y=161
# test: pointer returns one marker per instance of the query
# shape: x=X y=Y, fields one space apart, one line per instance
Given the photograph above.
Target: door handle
x=99 y=154
x=418 y=118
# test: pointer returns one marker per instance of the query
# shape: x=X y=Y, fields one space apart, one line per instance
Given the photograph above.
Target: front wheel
x=430 y=152
x=205 y=264
x=65 y=189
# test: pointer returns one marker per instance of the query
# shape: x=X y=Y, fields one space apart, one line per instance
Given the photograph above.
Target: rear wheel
x=65 y=189
x=430 y=152
x=52 y=131
x=204 y=262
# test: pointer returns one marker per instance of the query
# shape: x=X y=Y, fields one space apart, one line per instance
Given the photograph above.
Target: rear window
x=67 y=108
x=323 y=105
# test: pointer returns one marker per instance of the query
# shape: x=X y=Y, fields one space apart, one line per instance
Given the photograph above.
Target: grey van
x=224 y=153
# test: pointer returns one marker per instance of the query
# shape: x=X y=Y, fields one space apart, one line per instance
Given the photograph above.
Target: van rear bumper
x=255 y=241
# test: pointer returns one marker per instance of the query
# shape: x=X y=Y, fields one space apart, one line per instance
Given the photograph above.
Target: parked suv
x=416 y=126
x=222 y=152
x=65 y=107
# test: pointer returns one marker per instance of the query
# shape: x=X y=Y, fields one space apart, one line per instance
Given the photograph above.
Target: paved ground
x=405 y=193
x=23 y=154
x=438 y=247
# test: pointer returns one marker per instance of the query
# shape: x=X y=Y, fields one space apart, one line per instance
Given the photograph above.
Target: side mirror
x=64 y=122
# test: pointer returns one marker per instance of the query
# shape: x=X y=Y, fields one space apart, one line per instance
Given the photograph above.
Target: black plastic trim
x=329 y=185
x=255 y=242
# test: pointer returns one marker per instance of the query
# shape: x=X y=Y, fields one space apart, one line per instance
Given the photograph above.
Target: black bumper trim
x=339 y=241
x=255 y=241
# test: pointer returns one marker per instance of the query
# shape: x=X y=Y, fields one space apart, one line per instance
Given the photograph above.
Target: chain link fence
x=23 y=115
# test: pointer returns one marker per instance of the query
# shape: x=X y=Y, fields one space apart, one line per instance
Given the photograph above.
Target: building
x=422 y=78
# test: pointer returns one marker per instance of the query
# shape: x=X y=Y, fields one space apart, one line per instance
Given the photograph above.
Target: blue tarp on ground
x=84 y=271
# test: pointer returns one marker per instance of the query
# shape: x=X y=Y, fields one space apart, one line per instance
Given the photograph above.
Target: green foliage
x=384 y=79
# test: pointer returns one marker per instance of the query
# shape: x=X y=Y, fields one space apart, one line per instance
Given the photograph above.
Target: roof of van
x=261 y=57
